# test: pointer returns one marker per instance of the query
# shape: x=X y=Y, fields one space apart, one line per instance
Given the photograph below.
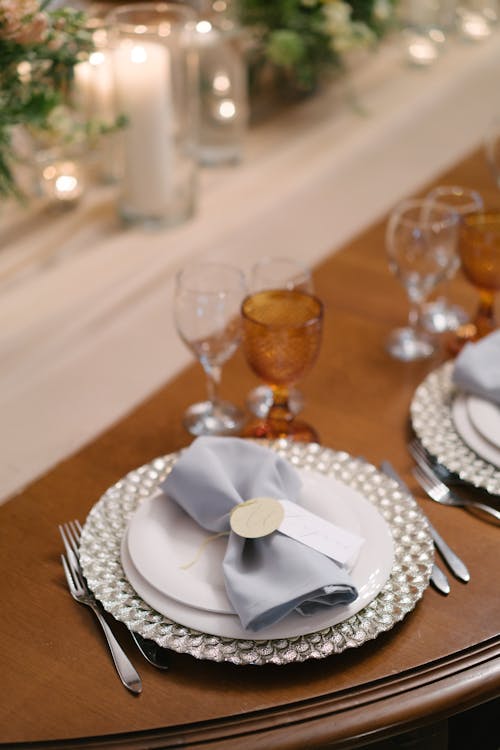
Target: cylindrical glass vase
x=156 y=78
x=223 y=90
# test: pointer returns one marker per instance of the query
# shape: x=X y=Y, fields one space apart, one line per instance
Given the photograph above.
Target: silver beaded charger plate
x=413 y=558
x=432 y=421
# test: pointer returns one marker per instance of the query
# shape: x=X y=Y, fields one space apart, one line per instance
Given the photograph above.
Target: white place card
x=261 y=516
x=339 y=544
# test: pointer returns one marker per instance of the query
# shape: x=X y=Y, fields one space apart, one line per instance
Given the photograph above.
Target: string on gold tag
x=202 y=546
x=254 y=518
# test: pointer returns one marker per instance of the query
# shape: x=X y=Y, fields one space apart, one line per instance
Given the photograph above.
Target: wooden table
x=58 y=684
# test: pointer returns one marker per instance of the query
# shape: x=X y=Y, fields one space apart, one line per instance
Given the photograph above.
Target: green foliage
x=306 y=39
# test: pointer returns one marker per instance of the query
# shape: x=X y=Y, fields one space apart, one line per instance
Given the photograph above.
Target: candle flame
x=203 y=27
x=96 y=58
x=227 y=109
x=221 y=82
x=66 y=183
x=138 y=54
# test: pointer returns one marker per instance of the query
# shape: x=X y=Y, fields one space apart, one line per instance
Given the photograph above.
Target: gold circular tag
x=257 y=517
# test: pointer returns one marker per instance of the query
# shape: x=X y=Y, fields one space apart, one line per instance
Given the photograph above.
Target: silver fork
x=82 y=594
x=441 y=493
x=152 y=652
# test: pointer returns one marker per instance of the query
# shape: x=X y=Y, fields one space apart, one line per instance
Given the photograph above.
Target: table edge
x=424 y=695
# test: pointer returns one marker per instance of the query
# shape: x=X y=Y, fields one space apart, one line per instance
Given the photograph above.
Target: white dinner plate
x=485 y=416
x=369 y=573
x=163 y=538
x=469 y=434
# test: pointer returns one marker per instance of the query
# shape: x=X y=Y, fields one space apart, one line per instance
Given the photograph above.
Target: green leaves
x=304 y=38
x=285 y=47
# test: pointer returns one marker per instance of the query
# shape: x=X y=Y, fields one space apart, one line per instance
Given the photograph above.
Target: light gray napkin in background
x=265 y=578
x=477 y=368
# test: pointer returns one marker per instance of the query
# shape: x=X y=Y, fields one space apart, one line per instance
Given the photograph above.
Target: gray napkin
x=265 y=578
x=477 y=368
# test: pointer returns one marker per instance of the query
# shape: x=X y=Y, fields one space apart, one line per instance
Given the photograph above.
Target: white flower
x=357 y=36
x=21 y=21
x=382 y=10
x=338 y=17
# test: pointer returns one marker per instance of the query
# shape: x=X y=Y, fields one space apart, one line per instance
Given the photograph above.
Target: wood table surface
x=59 y=688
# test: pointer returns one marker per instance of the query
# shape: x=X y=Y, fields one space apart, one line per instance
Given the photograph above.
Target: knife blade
x=438 y=578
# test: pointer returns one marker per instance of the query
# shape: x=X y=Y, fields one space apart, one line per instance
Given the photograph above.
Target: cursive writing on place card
x=333 y=541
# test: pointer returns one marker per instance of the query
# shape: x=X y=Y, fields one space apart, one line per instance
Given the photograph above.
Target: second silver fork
x=439 y=491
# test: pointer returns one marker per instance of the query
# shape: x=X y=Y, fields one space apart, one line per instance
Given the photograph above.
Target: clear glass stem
x=213 y=373
x=414 y=316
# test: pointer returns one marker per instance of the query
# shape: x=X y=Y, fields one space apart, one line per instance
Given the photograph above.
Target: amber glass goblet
x=479 y=247
x=277 y=273
x=281 y=339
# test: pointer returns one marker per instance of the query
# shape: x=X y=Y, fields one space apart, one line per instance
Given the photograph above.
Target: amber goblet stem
x=485 y=320
x=279 y=411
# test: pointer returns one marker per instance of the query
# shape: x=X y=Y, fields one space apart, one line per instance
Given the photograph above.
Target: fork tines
x=70 y=533
x=432 y=485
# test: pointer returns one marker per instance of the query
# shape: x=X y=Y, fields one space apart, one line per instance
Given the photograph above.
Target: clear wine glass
x=440 y=315
x=207 y=304
x=277 y=273
x=421 y=239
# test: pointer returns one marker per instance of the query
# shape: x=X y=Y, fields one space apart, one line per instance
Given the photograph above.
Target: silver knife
x=438 y=578
x=452 y=560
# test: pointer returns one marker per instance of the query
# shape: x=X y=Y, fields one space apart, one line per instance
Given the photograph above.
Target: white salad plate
x=184 y=561
x=485 y=417
x=467 y=430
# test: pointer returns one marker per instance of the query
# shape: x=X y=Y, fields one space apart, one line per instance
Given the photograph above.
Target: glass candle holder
x=223 y=90
x=60 y=170
x=156 y=79
x=476 y=19
x=426 y=25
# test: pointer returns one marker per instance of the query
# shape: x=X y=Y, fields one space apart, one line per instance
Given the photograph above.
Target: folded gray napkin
x=477 y=368
x=265 y=578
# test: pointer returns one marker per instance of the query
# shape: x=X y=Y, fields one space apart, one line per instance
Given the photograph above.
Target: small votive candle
x=474 y=26
x=63 y=182
x=421 y=50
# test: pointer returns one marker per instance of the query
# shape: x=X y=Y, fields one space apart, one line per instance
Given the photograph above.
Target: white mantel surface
x=86 y=329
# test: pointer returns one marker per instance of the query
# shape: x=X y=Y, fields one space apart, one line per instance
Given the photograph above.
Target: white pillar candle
x=94 y=87
x=142 y=74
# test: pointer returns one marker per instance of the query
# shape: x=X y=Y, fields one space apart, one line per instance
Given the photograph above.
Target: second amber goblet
x=281 y=339
x=479 y=247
